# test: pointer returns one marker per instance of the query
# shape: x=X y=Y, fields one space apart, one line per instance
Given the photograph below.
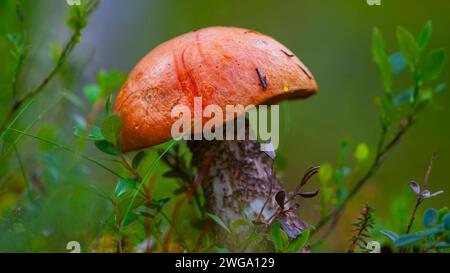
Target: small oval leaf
x=430 y=217
x=123 y=186
x=390 y=234
x=447 y=222
x=362 y=152
x=407 y=239
x=299 y=242
x=408 y=46
x=105 y=147
x=111 y=128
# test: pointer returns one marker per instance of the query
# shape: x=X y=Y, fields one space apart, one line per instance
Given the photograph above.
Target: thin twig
x=427 y=174
x=420 y=197
x=68 y=48
x=413 y=215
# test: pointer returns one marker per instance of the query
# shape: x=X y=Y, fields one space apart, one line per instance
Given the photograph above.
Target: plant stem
x=420 y=198
x=68 y=48
x=413 y=215
x=427 y=174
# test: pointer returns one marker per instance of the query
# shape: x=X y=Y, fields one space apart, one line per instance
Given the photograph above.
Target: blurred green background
x=332 y=37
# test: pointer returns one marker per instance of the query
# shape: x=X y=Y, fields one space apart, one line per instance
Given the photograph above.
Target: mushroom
x=223 y=66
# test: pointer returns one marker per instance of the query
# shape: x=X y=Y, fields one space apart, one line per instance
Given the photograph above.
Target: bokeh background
x=332 y=37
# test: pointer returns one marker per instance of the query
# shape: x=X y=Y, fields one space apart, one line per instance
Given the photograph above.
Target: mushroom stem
x=239 y=183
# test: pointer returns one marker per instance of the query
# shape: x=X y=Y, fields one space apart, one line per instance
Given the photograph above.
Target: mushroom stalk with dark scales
x=223 y=66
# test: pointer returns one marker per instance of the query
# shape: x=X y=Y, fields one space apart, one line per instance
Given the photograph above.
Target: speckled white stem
x=237 y=180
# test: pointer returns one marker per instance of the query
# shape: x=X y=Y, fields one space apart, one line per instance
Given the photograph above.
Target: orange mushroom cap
x=223 y=65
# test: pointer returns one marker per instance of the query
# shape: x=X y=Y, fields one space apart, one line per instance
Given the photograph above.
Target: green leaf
x=158 y=204
x=447 y=222
x=430 y=217
x=405 y=240
x=110 y=81
x=442 y=245
x=299 y=242
x=105 y=147
x=408 y=46
x=221 y=250
x=390 y=234
x=108 y=104
x=219 y=221
x=238 y=223
x=397 y=62
x=279 y=237
x=94 y=134
x=441 y=214
x=433 y=65
x=137 y=159
x=431 y=231
x=123 y=186
x=382 y=60
x=111 y=128
x=425 y=35
x=131 y=217
x=362 y=152
x=92 y=93
x=76 y=20
x=325 y=172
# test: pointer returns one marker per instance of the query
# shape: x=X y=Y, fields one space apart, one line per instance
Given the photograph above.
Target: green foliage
x=111 y=128
x=92 y=93
x=325 y=175
x=424 y=71
x=362 y=152
x=433 y=65
x=94 y=134
x=362 y=227
x=408 y=46
x=219 y=221
x=60 y=181
x=390 y=234
x=299 y=242
x=279 y=237
x=425 y=35
x=430 y=217
x=109 y=82
x=434 y=237
x=20 y=46
x=336 y=194
x=381 y=59
x=124 y=186
x=281 y=240
x=106 y=147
